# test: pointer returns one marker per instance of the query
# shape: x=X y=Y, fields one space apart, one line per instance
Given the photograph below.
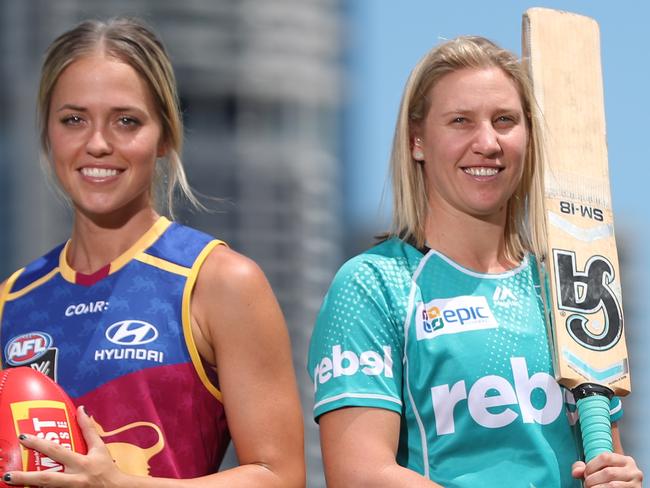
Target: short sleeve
x=615 y=409
x=355 y=354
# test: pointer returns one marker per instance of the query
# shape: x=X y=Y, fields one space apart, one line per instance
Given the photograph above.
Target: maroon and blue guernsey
x=119 y=342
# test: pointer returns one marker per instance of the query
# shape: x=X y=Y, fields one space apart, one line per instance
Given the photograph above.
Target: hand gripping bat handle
x=593 y=411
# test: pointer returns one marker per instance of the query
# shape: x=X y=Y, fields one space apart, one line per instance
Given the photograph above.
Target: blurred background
x=289 y=108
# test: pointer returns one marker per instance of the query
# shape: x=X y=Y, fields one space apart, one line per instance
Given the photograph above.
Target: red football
x=31 y=403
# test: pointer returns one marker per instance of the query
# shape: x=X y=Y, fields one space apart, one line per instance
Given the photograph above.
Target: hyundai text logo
x=131 y=333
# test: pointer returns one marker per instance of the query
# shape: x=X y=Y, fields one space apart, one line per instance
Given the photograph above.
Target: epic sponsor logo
x=452 y=316
x=492 y=401
x=130 y=333
x=27 y=348
x=84 y=308
x=348 y=363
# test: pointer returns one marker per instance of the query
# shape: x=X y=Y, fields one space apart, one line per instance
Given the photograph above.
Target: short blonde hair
x=132 y=42
x=525 y=229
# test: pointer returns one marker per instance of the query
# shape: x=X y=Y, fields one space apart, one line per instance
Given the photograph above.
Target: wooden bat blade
x=584 y=304
x=563 y=54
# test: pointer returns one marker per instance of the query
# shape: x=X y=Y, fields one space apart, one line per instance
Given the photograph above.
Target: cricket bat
x=583 y=303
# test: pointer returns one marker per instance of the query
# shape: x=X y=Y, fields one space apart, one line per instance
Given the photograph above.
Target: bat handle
x=593 y=410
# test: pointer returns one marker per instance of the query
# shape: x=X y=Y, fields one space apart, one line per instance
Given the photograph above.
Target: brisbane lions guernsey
x=461 y=356
x=120 y=343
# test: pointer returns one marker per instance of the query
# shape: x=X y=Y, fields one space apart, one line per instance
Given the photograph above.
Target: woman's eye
x=505 y=120
x=71 y=120
x=459 y=120
x=128 y=121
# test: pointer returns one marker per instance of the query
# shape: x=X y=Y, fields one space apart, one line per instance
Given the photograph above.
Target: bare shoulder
x=228 y=271
x=231 y=292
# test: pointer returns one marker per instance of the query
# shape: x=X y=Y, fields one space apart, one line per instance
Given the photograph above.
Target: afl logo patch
x=131 y=333
x=27 y=348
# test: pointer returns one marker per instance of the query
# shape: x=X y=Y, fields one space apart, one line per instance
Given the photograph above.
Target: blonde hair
x=131 y=42
x=525 y=228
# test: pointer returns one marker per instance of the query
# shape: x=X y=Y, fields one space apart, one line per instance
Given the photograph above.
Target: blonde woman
x=171 y=341
x=429 y=357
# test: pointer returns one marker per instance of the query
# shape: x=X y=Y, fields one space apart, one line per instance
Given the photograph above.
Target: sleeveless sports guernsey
x=123 y=348
x=463 y=357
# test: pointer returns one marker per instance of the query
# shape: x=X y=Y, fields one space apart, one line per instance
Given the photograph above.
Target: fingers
x=87 y=426
x=52 y=454
x=578 y=470
x=51 y=450
x=40 y=478
x=612 y=469
x=94 y=469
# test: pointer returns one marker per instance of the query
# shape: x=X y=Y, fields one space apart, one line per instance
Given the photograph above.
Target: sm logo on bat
x=594 y=314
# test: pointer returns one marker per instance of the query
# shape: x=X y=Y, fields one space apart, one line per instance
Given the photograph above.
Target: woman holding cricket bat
x=430 y=358
x=172 y=342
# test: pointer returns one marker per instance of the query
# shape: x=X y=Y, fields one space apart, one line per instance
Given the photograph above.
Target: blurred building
x=260 y=88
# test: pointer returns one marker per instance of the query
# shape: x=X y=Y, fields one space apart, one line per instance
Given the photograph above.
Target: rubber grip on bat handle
x=595 y=423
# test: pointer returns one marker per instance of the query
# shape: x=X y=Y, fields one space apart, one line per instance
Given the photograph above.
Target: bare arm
x=616 y=438
x=359 y=447
x=253 y=357
x=238 y=316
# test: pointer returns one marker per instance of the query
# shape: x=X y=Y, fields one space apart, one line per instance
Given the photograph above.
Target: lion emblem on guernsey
x=130 y=458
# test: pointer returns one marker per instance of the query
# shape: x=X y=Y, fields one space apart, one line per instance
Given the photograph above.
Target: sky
x=388 y=37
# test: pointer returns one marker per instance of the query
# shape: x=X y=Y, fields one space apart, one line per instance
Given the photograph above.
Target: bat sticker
x=586 y=235
x=608 y=374
x=588 y=294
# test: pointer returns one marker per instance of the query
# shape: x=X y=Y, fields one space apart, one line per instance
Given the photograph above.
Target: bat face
x=593 y=314
x=587 y=309
x=586 y=317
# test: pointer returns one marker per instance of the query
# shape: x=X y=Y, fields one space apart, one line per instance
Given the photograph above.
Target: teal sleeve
x=355 y=354
x=615 y=409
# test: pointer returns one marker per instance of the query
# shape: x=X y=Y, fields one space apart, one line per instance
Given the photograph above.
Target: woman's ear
x=163 y=148
x=416 y=147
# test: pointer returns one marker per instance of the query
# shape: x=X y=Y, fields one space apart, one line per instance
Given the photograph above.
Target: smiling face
x=105 y=136
x=473 y=143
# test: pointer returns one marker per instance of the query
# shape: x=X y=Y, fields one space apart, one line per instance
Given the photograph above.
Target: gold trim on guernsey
x=162 y=264
x=31 y=286
x=4 y=296
x=187 y=318
x=147 y=239
x=136 y=252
